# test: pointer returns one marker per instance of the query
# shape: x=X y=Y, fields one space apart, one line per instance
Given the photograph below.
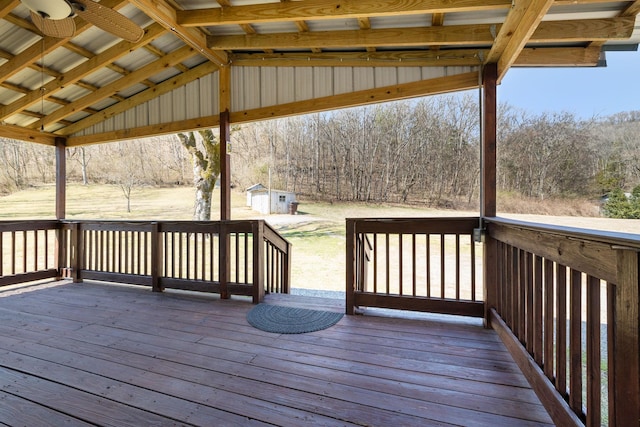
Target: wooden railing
x=566 y=304
x=28 y=251
x=420 y=264
x=228 y=257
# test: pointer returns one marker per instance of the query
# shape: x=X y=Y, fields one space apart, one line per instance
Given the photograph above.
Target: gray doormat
x=290 y=320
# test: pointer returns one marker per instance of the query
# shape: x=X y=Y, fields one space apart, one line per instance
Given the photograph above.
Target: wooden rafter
x=105 y=91
x=328 y=9
x=165 y=14
x=144 y=96
x=73 y=76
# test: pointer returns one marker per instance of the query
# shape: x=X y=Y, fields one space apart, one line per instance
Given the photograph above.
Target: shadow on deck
x=100 y=354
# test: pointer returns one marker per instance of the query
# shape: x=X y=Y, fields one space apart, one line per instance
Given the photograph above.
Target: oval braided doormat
x=290 y=320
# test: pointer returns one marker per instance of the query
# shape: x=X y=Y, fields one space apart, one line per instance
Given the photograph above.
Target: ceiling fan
x=55 y=18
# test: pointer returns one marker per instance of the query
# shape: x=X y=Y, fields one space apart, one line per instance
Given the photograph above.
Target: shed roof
x=267 y=58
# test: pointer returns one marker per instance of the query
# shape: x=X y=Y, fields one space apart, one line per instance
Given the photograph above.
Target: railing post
x=157 y=257
x=350 y=266
x=286 y=277
x=490 y=279
x=77 y=252
x=626 y=340
x=224 y=249
x=60 y=255
x=258 y=261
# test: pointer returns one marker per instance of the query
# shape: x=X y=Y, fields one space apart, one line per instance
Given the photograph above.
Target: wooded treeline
x=419 y=151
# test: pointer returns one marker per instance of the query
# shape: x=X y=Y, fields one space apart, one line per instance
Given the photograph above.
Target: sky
x=585 y=92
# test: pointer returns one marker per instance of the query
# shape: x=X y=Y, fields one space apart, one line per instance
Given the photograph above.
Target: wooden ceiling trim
x=328 y=9
x=527 y=20
x=140 y=98
x=165 y=14
x=146 y=131
x=148 y=70
x=383 y=94
x=584 y=30
x=75 y=75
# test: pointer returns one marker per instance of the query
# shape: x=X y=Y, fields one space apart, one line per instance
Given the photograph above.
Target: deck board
x=117 y=355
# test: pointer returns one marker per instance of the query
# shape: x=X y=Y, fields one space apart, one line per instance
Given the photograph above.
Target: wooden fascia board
x=84 y=69
x=389 y=93
x=149 y=70
x=526 y=20
x=146 y=131
x=165 y=14
x=27 y=135
x=543 y=57
x=328 y=9
x=369 y=96
x=550 y=31
x=142 y=97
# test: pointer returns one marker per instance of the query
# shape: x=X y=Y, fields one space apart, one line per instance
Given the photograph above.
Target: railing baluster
x=472 y=247
x=561 y=329
x=548 y=319
x=575 y=342
x=594 y=414
x=529 y=311
x=428 y=263
x=400 y=265
x=457 y=242
x=538 y=319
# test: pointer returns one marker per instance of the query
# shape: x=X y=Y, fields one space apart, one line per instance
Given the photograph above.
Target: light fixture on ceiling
x=58 y=9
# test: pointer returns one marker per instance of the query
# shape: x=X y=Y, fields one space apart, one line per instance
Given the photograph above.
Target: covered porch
x=563 y=302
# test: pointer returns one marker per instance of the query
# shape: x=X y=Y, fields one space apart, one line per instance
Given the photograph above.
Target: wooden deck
x=96 y=354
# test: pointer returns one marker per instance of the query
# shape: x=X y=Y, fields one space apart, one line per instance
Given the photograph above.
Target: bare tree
x=205 y=158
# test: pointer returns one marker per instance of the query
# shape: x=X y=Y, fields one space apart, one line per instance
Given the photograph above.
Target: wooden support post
x=258 y=261
x=61 y=178
x=225 y=141
x=488 y=184
x=626 y=345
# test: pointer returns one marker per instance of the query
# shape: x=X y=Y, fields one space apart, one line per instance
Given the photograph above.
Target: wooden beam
x=163 y=13
x=74 y=75
x=27 y=135
x=454 y=35
x=225 y=142
x=559 y=57
x=140 y=98
x=146 y=131
x=489 y=138
x=328 y=9
x=383 y=94
x=148 y=70
x=531 y=57
x=6 y=6
x=521 y=22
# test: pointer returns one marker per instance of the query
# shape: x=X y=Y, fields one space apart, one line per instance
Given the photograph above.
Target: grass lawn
x=317 y=232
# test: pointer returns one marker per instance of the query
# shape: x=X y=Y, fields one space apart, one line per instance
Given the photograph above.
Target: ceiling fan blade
x=108 y=19
x=60 y=28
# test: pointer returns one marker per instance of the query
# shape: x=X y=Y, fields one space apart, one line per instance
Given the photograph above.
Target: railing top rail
x=615 y=239
x=24 y=225
x=416 y=225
